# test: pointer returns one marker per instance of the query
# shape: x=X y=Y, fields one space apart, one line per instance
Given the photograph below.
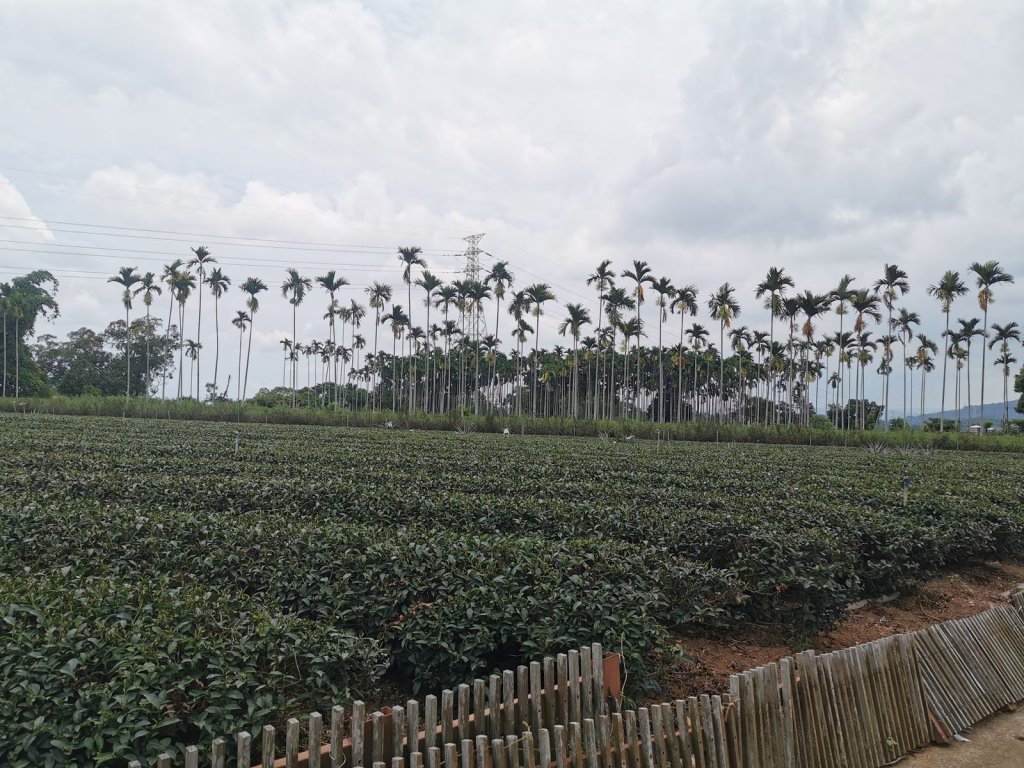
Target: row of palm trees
x=436 y=366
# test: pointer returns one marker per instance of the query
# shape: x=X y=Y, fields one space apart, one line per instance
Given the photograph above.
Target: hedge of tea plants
x=161 y=583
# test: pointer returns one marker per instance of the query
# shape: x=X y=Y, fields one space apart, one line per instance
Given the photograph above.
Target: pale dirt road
x=996 y=743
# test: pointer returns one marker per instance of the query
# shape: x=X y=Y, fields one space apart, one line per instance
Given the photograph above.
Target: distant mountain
x=992 y=412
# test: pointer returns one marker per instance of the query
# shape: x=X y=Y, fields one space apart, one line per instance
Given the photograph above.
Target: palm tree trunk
x=920 y=409
x=984 y=350
x=167 y=338
x=181 y=352
x=427 y=356
x=960 y=426
x=476 y=376
x=682 y=331
x=903 y=349
x=248 y=354
x=128 y=354
x=216 y=348
x=412 y=391
x=771 y=347
x=693 y=387
x=575 y=376
x=241 y=338
x=611 y=395
x=536 y=361
x=374 y=401
x=970 y=416
x=1006 y=401
x=888 y=373
x=199 y=335
x=148 y=334
x=721 y=372
x=625 y=376
x=295 y=359
x=905 y=418
x=17 y=355
x=661 y=375
x=839 y=366
x=636 y=391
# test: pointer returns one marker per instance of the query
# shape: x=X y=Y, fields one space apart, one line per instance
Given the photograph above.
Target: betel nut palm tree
x=128 y=279
x=201 y=259
x=724 y=308
x=252 y=287
x=987 y=275
x=949 y=288
x=295 y=288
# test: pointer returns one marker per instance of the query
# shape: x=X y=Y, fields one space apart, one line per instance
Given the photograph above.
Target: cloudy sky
x=711 y=139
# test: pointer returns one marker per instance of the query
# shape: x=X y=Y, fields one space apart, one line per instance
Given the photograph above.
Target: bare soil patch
x=964 y=592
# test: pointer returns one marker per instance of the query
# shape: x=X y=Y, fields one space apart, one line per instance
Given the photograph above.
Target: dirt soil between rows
x=712 y=658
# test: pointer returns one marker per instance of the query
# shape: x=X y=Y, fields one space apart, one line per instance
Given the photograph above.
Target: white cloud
x=16 y=212
x=711 y=139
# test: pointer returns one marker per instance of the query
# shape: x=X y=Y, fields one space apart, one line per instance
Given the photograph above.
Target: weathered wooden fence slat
x=860 y=707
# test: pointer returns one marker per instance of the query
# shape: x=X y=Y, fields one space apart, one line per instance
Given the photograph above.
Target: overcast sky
x=711 y=139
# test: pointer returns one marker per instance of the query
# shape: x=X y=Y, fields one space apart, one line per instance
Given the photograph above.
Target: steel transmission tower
x=473 y=256
x=473 y=252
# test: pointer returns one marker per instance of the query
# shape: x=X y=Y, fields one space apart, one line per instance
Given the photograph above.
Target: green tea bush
x=95 y=669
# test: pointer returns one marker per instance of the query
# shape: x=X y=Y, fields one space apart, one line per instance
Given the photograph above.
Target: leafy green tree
x=91 y=363
x=23 y=301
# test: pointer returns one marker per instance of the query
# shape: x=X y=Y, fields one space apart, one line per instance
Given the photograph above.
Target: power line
x=81 y=274
x=227 y=260
x=340 y=249
x=394 y=228
x=204 y=235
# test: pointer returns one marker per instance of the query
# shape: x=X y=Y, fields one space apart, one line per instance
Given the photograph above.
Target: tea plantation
x=161 y=583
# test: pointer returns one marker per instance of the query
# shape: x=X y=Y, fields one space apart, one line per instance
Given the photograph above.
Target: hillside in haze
x=992 y=412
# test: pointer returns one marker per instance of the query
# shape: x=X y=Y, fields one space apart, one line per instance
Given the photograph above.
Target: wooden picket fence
x=861 y=707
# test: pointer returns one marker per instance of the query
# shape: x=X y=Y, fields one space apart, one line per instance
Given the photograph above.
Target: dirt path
x=966 y=592
x=996 y=743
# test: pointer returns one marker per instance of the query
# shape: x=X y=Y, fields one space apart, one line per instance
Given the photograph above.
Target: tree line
x=443 y=356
